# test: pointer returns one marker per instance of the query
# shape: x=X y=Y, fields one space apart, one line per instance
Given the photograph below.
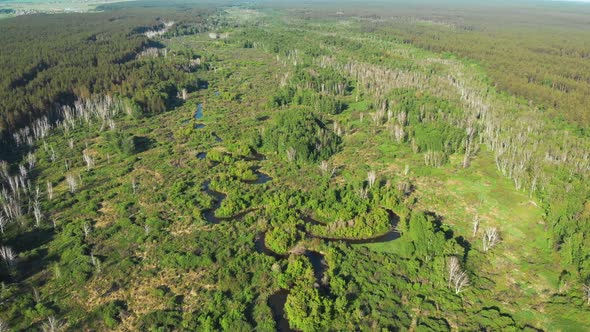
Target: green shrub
x=110 y=313
x=120 y=142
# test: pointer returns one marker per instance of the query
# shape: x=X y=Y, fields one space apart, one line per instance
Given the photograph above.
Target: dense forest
x=276 y=166
x=561 y=87
x=51 y=60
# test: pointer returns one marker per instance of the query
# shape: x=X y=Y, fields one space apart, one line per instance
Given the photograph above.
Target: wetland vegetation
x=272 y=166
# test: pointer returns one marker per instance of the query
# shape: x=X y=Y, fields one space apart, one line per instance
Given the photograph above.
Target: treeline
x=52 y=60
x=545 y=66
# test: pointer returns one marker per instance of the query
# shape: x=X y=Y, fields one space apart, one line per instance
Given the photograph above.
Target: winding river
x=277 y=300
x=218 y=197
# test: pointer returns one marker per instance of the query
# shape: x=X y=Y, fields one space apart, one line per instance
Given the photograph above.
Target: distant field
x=10 y=8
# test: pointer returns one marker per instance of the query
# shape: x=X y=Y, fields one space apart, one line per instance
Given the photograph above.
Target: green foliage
x=242 y=171
x=317 y=87
x=303 y=133
x=568 y=208
x=110 y=313
x=74 y=263
x=438 y=137
x=120 y=142
x=160 y=321
x=187 y=195
x=307 y=311
x=284 y=236
x=321 y=80
x=428 y=239
x=433 y=324
x=298 y=270
x=494 y=319
x=427 y=118
x=132 y=108
x=373 y=223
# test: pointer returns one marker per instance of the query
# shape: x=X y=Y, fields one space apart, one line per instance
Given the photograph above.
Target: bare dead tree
x=23 y=171
x=475 y=224
x=454 y=267
x=36 y=295
x=15 y=182
x=458 y=279
x=4 y=170
x=338 y=129
x=402 y=118
x=404 y=187
x=31 y=160
x=87 y=229
x=399 y=133
x=37 y=212
x=587 y=293
x=407 y=170
x=434 y=158
x=461 y=281
x=8 y=256
x=4 y=326
x=95 y=262
x=37 y=192
x=27 y=188
x=49 y=190
x=363 y=193
x=88 y=160
x=72 y=183
x=3 y=222
x=491 y=238
x=371 y=178
x=12 y=207
x=53 y=325
x=291 y=154
x=134 y=185
x=326 y=169
x=470 y=131
x=53 y=156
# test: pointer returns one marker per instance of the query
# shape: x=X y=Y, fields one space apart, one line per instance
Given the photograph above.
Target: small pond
x=199 y=112
x=261 y=178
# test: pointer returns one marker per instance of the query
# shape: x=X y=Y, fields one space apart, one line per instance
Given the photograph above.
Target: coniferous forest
x=286 y=166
